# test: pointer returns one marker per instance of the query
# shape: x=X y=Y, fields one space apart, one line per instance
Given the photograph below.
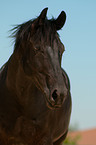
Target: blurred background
x=79 y=37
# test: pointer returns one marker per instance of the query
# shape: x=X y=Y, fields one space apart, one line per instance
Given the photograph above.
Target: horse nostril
x=54 y=95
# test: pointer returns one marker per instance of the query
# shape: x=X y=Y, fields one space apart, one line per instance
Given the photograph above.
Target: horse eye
x=37 y=48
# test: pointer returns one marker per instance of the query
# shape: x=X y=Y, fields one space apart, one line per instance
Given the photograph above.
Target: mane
x=23 y=32
x=19 y=31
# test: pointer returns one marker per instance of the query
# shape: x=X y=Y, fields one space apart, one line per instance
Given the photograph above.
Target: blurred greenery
x=72 y=140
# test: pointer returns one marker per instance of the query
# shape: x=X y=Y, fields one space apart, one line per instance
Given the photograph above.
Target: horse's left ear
x=60 y=21
x=42 y=16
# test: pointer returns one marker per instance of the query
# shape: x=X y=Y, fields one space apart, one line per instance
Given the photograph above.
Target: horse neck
x=17 y=82
x=11 y=72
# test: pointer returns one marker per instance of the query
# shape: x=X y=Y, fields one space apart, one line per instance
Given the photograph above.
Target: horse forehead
x=51 y=53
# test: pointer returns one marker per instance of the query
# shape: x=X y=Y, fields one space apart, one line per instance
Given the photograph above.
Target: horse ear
x=60 y=21
x=40 y=20
x=42 y=16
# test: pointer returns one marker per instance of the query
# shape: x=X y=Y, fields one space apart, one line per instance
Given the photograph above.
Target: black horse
x=35 y=100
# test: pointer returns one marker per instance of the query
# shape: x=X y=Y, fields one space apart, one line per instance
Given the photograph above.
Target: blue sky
x=79 y=37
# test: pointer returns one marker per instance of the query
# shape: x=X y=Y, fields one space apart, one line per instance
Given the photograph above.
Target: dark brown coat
x=35 y=100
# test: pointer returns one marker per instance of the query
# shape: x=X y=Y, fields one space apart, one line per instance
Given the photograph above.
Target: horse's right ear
x=42 y=16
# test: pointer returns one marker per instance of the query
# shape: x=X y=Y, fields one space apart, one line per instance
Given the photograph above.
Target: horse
x=35 y=98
